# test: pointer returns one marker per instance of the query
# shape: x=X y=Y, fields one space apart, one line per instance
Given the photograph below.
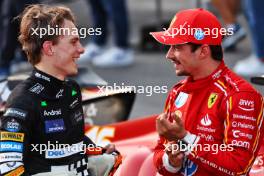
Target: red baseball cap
x=197 y=26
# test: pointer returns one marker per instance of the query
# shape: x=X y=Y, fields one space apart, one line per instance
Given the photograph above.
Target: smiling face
x=67 y=51
x=185 y=61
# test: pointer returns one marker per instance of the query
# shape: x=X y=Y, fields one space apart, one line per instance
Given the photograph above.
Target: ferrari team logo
x=212 y=99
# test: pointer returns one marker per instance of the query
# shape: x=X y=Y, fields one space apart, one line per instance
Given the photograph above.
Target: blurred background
x=136 y=59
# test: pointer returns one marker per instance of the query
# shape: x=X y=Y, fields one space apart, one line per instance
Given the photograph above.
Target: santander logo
x=206 y=121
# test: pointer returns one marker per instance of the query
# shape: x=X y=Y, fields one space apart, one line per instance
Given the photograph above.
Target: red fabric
x=129 y=129
x=184 y=25
x=223 y=109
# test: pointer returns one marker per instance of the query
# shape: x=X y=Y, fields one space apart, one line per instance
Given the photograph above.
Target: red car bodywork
x=135 y=139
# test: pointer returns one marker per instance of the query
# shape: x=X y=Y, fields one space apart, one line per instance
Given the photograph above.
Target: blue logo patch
x=11 y=147
x=189 y=168
x=181 y=99
x=199 y=34
x=12 y=126
x=53 y=126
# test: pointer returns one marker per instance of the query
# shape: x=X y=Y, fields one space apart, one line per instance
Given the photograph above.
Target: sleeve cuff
x=190 y=140
x=166 y=164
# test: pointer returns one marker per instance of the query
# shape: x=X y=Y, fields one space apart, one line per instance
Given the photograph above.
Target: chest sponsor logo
x=243 y=144
x=37 y=88
x=6 y=167
x=38 y=75
x=11 y=146
x=236 y=124
x=59 y=94
x=207 y=137
x=212 y=99
x=206 y=129
x=15 y=112
x=206 y=121
x=64 y=152
x=52 y=112
x=19 y=137
x=12 y=126
x=189 y=168
x=53 y=126
x=244 y=117
x=181 y=99
x=74 y=103
x=246 y=105
x=238 y=134
x=217 y=74
x=10 y=156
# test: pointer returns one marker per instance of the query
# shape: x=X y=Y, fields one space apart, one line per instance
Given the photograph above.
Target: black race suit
x=42 y=110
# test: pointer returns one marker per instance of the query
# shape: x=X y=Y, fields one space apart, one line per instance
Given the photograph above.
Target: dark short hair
x=216 y=50
x=40 y=16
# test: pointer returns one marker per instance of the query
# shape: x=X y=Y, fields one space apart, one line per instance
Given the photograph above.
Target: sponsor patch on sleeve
x=11 y=136
x=15 y=112
x=12 y=126
x=8 y=166
x=11 y=156
x=11 y=147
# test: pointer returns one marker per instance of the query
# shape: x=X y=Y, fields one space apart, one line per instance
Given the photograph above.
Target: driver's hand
x=176 y=157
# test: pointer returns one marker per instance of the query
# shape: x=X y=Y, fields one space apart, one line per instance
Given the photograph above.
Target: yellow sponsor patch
x=212 y=99
x=11 y=136
x=17 y=172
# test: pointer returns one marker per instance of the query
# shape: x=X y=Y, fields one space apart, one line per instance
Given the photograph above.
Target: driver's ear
x=205 y=51
x=47 y=48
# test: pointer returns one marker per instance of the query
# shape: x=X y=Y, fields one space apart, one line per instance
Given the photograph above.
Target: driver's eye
x=176 y=47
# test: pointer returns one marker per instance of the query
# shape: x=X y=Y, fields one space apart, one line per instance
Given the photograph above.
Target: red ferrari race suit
x=223 y=114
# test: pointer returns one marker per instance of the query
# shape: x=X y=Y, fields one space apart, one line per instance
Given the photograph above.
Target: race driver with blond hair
x=42 y=128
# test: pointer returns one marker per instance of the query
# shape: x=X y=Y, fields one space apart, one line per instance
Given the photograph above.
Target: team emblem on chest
x=212 y=99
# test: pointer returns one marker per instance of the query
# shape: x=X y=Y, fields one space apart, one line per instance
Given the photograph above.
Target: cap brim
x=165 y=39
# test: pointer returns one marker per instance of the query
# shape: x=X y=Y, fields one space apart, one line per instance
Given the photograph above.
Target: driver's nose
x=81 y=49
x=170 y=53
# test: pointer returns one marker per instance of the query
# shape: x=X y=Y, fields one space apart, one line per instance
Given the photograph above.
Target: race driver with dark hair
x=211 y=107
x=42 y=129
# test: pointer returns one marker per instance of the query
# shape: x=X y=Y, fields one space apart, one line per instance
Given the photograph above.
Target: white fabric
x=98 y=165
x=101 y=165
x=57 y=171
x=166 y=164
